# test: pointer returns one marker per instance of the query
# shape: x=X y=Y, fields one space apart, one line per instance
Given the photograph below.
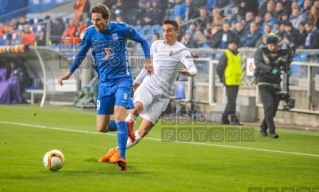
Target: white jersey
x=166 y=60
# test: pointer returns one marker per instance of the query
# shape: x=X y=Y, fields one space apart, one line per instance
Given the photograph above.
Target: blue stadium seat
x=3 y=42
x=147 y=29
x=157 y=28
x=180 y=90
x=302 y=57
x=218 y=56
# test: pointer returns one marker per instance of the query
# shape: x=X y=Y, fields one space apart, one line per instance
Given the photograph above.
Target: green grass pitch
x=28 y=132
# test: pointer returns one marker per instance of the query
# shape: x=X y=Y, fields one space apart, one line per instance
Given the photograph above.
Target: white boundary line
x=155 y=139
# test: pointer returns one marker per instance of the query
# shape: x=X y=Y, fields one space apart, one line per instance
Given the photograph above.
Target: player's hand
x=148 y=66
x=135 y=86
x=184 y=71
x=64 y=77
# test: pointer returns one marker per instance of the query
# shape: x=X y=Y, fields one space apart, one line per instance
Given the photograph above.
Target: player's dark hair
x=171 y=22
x=103 y=9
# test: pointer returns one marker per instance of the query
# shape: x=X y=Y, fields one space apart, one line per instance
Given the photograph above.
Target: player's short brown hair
x=171 y=22
x=103 y=9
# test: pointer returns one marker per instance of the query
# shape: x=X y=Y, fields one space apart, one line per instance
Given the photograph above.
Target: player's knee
x=138 y=107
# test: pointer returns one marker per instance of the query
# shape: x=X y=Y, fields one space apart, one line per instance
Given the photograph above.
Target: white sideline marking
x=155 y=139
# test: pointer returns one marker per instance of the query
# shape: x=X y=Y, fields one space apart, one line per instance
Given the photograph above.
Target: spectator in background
x=211 y=4
x=40 y=36
x=23 y=20
x=240 y=30
x=179 y=9
x=70 y=34
x=217 y=18
x=290 y=33
x=316 y=3
x=294 y=5
x=279 y=10
x=157 y=14
x=262 y=8
x=147 y=19
x=228 y=35
x=203 y=19
x=284 y=17
x=57 y=30
x=15 y=24
x=267 y=28
x=259 y=21
x=246 y=6
x=215 y=41
x=314 y=16
x=197 y=35
x=248 y=19
x=82 y=27
x=140 y=13
x=296 y=18
x=188 y=40
x=28 y=36
x=261 y=41
x=281 y=38
x=19 y=70
x=251 y=37
x=269 y=19
x=208 y=31
x=182 y=28
x=305 y=10
x=276 y=27
x=270 y=8
x=302 y=35
x=312 y=39
x=287 y=6
x=108 y=3
x=169 y=10
x=236 y=17
x=191 y=10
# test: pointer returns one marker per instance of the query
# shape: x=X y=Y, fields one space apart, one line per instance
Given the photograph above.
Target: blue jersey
x=109 y=50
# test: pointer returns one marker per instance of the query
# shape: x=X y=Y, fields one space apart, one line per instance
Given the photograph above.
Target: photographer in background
x=269 y=61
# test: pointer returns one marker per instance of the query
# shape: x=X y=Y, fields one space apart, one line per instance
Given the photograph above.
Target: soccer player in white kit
x=152 y=93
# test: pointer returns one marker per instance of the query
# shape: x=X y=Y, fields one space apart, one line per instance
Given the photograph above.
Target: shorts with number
x=154 y=103
x=114 y=92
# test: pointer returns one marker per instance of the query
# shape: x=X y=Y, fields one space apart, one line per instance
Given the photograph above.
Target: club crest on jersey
x=188 y=57
x=115 y=37
x=171 y=53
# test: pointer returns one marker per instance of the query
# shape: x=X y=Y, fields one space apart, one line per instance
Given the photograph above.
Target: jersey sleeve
x=85 y=46
x=187 y=60
x=136 y=36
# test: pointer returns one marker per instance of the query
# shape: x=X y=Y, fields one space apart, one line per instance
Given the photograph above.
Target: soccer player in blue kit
x=108 y=42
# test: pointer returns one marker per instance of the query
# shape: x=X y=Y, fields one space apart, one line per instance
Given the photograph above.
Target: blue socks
x=122 y=135
x=112 y=126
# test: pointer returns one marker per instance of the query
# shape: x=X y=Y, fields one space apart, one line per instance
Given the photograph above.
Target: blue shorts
x=114 y=92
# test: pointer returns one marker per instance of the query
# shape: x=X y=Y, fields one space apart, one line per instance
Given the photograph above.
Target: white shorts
x=154 y=103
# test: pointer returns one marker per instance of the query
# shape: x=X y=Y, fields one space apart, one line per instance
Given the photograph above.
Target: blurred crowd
x=204 y=23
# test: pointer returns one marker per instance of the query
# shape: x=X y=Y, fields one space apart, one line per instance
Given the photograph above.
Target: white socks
x=129 y=144
x=131 y=117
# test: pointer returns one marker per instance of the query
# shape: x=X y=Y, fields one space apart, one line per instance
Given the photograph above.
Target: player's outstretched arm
x=64 y=77
x=134 y=35
x=190 y=68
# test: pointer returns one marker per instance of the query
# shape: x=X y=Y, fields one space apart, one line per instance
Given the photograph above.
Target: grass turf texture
x=153 y=165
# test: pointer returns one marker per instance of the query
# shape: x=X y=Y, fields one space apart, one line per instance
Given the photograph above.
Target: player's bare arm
x=64 y=77
x=148 y=66
x=184 y=71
